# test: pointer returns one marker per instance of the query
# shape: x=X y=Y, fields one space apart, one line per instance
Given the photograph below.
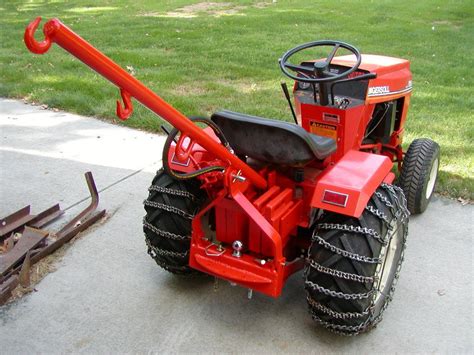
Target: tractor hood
x=393 y=75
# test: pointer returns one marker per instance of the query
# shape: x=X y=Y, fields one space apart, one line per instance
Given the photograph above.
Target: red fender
x=347 y=186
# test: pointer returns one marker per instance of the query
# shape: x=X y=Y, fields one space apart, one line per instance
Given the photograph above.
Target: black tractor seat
x=272 y=141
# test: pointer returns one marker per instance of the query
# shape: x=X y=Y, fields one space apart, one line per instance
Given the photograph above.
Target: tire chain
x=154 y=251
x=349 y=330
x=345 y=253
x=392 y=189
x=344 y=227
x=378 y=213
x=168 y=208
x=369 y=323
x=333 y=313
x=346 y=296
x=163 y=233
x=389 y=297
x=341 y=274
x=384 y=199
x=173 y=269
x=169 y=191
x=405 y=215
x=163 y=252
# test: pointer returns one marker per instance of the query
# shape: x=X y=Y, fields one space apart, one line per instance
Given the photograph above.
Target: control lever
x=287 y=95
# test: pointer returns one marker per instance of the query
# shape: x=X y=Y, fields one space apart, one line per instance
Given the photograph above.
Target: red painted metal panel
x=290 y=220
x=224 y=269
x=255 y=238
x=348 y=130
x=262 y=200
x=358 y=175
x=245 y=271
x=231 y=223
x=269 y=233
x=374 y=63
x=282 y=197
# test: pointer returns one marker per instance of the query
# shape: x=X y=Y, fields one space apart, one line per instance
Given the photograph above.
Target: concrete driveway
x=108 y=295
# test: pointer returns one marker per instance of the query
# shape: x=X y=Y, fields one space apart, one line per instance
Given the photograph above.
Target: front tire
x=419 y=173
x=353 y=263
x=170 y=208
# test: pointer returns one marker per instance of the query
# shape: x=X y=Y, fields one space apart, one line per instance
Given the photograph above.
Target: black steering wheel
x=318 y=72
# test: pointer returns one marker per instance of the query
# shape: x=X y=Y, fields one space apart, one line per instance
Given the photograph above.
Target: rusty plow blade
x=21 y=218
x=25 y=243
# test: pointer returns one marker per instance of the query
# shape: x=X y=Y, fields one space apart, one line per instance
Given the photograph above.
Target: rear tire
x=170 y=207
x=353 y=263
x=419 y=174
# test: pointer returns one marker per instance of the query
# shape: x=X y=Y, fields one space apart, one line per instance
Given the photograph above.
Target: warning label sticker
x=323 y=129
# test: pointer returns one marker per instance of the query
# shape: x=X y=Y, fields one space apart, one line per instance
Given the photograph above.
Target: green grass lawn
x=201 y=59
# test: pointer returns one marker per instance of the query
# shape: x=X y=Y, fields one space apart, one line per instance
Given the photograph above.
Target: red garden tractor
x=253 y=200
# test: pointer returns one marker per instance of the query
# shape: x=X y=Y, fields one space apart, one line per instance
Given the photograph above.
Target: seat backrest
x=272 y=141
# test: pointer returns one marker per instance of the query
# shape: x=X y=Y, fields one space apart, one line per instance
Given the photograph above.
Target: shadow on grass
x=455 y=185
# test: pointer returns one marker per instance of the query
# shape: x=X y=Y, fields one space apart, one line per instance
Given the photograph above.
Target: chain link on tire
x=170 y=208
x=350 y=258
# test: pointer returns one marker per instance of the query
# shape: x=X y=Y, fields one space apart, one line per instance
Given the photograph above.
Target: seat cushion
x=272 y=141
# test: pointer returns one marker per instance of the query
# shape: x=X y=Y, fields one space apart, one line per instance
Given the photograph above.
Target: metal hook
x=31 y=43
x=124 y=113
